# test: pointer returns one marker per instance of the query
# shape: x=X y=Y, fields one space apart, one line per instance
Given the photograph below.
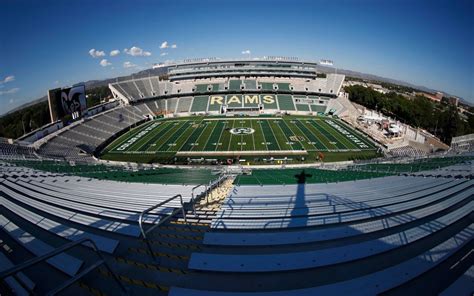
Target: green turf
x=208 y=137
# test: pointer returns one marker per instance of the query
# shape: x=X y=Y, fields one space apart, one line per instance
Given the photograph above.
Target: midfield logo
x=241 y=131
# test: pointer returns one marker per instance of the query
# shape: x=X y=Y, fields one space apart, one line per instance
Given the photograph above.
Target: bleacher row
x=78 y=141
x=428 y=167
x=202 y=104
x=407 y=151
x=36 y=208
x=151 y=87
x=462 y=144
x=361 y=237
x=15 y=151
x=457 y=171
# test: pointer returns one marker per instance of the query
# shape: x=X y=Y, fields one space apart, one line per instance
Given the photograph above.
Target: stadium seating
x=88 y=135
x=144 y=87
x=199 y=104
x=286 y=103
x=376 y=234
x=462 y=144
x=184 y=104
x=155 y=85
x=20 y=284
x=313 y=214
x=63 y=262
x=235 y=85
x=16 y=151
x=396 y=225
x=407 y=151
x=250 y=84
x=171 y=105
x=373 y=283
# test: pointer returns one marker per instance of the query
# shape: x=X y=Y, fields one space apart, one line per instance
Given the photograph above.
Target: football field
x=230 y=137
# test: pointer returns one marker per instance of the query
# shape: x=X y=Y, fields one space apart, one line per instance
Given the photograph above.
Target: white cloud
x=114 y=52
x=9 y=78
x=96 y=53
x=10 y=91
x=164 y=45
x=174 y=46
x=163 y=54
x=137 y=51
x=247 y=51
x=129 y=65
x=105 y=63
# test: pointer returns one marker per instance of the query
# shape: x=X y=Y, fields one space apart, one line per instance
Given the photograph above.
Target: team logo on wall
x=242 y=131
x=73 y=99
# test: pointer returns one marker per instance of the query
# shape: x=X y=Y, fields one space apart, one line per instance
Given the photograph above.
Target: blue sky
x=46 y=44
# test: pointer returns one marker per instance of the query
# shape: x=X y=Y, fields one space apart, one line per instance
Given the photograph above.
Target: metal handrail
x=142 y=214
x=140 y=219
x=18 y=268
x=213 y=184
x=192 y=195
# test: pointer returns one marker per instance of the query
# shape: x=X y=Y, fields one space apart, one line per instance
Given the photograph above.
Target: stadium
x=233 y=177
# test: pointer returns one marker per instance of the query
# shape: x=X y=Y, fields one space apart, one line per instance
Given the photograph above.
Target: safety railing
x=208 y=189
x=192 y=196
x=214 y=184
x=22 y=266
x=142 y=214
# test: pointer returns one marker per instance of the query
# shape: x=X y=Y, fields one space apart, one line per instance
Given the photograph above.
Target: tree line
x=18 y=123
x=441 y=119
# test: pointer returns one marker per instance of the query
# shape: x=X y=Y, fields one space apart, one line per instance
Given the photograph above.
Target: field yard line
x=263 y=134
x=171 y=131
x=313 y=134
x=241 y=137
x=208 y=138
x=307 y=139
x=151 y=137
x=274 y=136
x=230 y=139
x=147 y=138
x=220 y=136
x=197 y=139
x=124 y=139
x=297 y=142
x=184 y=143
x=138 y=129
x=181 y=136
x=253 y=135
x=336 y=135
x=312 y=127
x=286 y=136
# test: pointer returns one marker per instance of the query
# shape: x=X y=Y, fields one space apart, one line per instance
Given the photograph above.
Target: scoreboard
x=67 y=101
